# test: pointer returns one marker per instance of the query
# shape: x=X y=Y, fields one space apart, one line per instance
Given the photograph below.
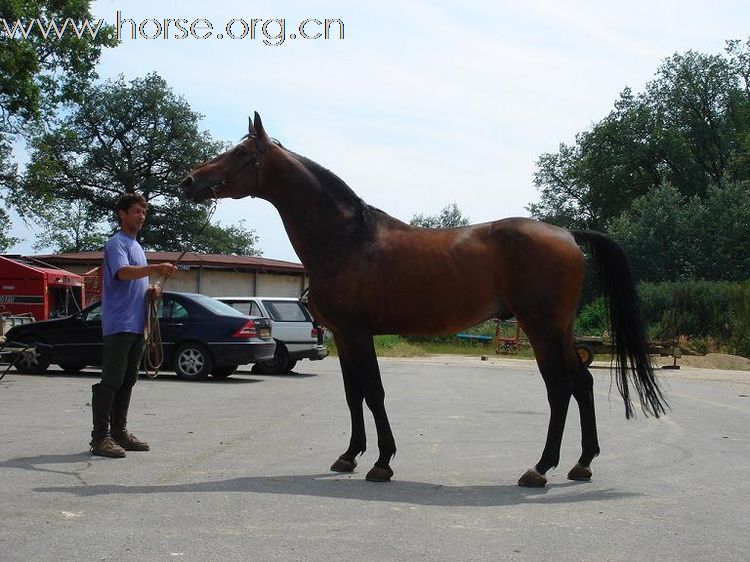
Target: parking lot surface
x=239 y=470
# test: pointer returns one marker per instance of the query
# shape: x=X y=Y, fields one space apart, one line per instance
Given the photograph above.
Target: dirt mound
x=709 y=361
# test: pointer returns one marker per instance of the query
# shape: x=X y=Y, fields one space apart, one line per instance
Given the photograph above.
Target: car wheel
x=585 y=353
x=72 y=368
x=223 y=372
x=276 y=366
x=32 y=361
x=192 y=362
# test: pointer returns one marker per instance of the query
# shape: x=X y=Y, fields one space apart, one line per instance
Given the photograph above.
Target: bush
x=698 y=309
x=740 y=339
x=710 y=315
x=593 y=319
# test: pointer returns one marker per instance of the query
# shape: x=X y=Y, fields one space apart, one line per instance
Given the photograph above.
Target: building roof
x=218 y=261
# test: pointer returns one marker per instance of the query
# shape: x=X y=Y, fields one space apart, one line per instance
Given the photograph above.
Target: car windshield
x=215 y=306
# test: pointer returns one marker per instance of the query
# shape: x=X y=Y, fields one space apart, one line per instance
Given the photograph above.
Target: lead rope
x=153 y=358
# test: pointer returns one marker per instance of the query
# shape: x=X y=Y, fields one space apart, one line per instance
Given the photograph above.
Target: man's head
x=131 y=212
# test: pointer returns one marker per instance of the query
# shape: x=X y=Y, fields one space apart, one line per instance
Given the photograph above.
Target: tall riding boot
x=120 y=434
x=101 y=406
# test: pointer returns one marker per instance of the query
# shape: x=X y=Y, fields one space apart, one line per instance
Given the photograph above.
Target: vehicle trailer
x=588 y=346
x=29 y=286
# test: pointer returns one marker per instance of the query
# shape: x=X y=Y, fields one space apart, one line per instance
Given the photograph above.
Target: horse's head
x=234 y=173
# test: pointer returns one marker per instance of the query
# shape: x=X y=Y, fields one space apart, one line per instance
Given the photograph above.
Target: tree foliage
x=71 y=228
x=689 y=128
x=449 y=217
x=6 y=240
x=38 y=73
x=666 y=171
x=671 y=237
x=125 y=137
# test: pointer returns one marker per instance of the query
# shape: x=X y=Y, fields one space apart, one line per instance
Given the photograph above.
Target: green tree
x=6 y=240
x=124 y=137
x=449 y=217
x=71 y=228
x=40 y=73
x=654 y=234
x=689 y=128
x=671 y=237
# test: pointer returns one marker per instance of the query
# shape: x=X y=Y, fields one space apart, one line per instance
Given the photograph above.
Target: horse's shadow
x=338 y=487
x=327 y=485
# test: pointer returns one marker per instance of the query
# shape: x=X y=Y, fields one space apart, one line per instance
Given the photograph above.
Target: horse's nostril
x=187 y=182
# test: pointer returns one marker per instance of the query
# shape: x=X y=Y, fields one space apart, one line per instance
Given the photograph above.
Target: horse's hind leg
x=583 y=391
x=354 y=397
x=550 y=358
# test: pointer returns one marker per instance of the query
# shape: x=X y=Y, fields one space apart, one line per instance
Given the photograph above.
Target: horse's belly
x=435 y=303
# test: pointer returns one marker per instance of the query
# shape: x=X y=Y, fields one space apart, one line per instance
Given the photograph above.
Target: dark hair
x=127 y=200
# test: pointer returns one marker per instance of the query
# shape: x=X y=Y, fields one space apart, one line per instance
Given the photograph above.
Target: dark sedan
x=200 y=336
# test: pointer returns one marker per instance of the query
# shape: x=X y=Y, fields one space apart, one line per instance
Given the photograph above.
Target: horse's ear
x=260 y=133
x=250 y=128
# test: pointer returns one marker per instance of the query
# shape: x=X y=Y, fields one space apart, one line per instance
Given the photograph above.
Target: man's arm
x=130 y=272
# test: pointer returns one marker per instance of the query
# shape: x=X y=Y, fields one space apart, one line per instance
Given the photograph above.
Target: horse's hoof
x=344 y=465
x=378 y=474
x=532 y=479
x=579 y=472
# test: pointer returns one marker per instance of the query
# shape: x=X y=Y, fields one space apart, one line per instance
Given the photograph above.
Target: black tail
x=628 y=331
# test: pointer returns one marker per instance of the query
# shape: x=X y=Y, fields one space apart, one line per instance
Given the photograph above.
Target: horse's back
x=426 y=281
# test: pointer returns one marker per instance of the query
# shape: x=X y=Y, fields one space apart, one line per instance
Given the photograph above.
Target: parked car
x=200 y=336
x=296 y=333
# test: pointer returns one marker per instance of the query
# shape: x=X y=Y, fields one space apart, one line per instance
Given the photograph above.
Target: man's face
x=132 y=220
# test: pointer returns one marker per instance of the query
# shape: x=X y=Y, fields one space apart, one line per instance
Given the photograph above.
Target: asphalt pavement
x=239 y=470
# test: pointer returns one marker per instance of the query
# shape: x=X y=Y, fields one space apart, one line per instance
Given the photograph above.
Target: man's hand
x=154 y=291
x=164 y=269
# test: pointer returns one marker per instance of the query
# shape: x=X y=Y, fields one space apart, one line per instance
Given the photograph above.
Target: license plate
x=265 y=333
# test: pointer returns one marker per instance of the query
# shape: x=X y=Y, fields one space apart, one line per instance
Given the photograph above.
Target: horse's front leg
x=358 y=354
x=357 y=444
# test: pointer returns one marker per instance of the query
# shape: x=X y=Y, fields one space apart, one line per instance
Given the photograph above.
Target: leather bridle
x=254 y=159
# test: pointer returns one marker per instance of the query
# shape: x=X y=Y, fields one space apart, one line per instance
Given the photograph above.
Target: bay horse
x=373 y=274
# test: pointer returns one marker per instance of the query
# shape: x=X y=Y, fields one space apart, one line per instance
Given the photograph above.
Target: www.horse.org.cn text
x=270 y=32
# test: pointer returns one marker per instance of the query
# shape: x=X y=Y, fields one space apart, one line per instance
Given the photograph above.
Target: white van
x=296 y=333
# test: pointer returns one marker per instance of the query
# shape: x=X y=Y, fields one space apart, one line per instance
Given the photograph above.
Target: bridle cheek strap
x=241 y=166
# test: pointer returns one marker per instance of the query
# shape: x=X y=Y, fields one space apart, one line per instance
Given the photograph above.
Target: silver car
x=296 y=333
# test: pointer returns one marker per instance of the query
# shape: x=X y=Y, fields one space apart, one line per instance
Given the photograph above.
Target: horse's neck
x=317 y=209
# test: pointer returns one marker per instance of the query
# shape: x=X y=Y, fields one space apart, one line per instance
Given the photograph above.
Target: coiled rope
x=153 y=357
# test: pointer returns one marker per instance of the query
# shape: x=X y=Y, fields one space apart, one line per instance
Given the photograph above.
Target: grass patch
x=404 y=346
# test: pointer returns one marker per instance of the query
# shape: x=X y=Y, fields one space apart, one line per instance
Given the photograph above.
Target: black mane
x=365 y=214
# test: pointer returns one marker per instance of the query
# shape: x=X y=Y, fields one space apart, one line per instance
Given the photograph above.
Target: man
x=125 y=277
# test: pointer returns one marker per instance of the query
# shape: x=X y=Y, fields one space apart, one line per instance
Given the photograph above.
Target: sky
x=420 y=104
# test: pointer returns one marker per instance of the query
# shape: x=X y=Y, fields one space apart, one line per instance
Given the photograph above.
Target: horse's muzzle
x=192 y=192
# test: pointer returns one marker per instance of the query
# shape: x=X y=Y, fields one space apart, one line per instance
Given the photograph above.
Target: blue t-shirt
x=123 y=302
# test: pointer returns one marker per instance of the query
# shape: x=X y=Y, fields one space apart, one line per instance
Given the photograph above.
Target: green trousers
x=120 y=360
